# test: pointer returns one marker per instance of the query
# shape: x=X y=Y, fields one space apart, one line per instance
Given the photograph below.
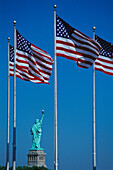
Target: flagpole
x=94 y=121
x=8 y=109
x=14 y=114
x=55 y=99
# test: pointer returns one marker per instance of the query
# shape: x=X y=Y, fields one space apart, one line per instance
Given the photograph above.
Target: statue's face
x=37 y=120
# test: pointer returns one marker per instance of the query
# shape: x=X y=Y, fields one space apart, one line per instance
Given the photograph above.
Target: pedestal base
x=36 y=158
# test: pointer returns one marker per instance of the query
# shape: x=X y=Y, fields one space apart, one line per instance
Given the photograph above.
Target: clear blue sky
x=35 y=22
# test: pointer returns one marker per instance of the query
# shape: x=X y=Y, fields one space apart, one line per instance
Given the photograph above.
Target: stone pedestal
x=36 y=158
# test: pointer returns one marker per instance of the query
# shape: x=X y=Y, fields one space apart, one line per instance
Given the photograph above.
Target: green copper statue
x=36 y=131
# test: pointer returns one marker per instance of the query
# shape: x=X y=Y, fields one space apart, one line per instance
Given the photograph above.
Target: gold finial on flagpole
x=94 y=28
x=54 y=6
x=14 y=22
x=8 y=38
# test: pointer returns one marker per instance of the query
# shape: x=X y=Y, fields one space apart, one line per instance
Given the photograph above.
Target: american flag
x=104 y=62
x=32 y=63
x=74 y=45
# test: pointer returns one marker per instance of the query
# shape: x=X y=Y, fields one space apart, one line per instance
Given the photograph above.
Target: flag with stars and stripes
x=104 y=62
x=32 y=63
x=74 y=45
x=11 y=60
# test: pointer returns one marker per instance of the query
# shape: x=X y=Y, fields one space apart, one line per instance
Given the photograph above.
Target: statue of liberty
x=36 y=131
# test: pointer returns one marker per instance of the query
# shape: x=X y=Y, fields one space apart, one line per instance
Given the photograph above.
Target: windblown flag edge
x=104 y=62
x=74 y=45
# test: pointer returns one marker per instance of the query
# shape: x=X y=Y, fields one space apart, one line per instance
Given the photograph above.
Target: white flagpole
x=8 y=108
x=55 y=99
x=94 y=122
x=14 y=114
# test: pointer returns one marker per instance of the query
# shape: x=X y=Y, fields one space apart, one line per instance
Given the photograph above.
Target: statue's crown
x=37 y=120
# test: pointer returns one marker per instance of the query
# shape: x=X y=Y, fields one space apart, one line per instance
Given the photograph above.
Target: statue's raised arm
x=42 y=117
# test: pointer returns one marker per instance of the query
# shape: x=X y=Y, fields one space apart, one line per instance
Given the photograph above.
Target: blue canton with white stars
x=106 y=47
x=23 y=44
x=11 y=53
x=63 y=29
